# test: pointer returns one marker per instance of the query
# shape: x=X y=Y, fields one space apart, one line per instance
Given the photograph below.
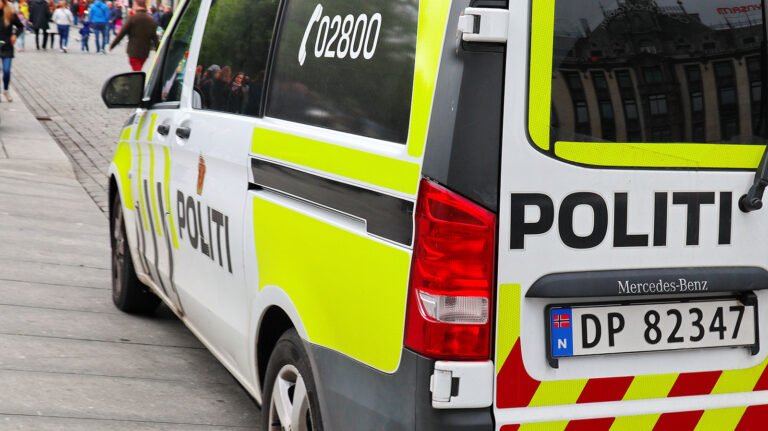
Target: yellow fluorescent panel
x=359 y=165
x=123 y=163
x=349 y=289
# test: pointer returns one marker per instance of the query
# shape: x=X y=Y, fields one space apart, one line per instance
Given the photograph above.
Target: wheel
x=290 y=401
x=128 y=293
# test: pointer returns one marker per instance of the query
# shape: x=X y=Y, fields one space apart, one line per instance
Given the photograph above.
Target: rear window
x=643 y=71
x=347 y=66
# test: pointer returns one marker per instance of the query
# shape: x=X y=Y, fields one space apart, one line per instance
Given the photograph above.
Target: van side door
x=229 y=77
x=158 y=138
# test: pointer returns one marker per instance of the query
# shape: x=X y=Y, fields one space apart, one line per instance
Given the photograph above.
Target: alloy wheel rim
x=289 y=408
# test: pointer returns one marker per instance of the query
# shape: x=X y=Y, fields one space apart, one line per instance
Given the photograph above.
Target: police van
x=458 y=215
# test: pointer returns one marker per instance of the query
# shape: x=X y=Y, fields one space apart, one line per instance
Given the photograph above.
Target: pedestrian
x=22 y=12
x=38 y=17
x=142 y=36
x=53 y=30
x=63 y=19
x=74 y=8
x=85 y=34
x=10 y=26
x=98 y=15
x=81 y=10
x=119 y=18
x=155 y=14
x=113 y=15
x=165 y=18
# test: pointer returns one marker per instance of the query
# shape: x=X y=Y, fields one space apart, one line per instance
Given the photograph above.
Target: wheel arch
x=274 y=314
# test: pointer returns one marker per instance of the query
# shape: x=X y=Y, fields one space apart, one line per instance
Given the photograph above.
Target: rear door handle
x=183 y=132
x=164 y=129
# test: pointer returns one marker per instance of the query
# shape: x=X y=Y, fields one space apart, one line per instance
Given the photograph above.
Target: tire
x=289 y=371
x=128 y=293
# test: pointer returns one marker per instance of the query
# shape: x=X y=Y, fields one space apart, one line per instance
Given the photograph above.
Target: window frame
x=154 y=80
x=620 y=155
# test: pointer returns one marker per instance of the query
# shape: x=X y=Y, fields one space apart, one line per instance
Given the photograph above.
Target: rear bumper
x=356 y=397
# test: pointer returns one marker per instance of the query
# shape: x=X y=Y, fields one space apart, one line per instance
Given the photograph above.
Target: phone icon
x=315 y=18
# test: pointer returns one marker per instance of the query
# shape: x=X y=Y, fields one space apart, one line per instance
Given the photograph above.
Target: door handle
x=183 y=132
x=164 y=129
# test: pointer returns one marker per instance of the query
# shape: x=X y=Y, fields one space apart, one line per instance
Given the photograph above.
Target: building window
x=624 y=80
x=727 y=99
x=630 y=109
x=582 y=113
x=658 y=104
x=697 y=102
x=653 y=75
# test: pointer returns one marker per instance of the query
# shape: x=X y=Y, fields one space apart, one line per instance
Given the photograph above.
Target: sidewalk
x=68 y=359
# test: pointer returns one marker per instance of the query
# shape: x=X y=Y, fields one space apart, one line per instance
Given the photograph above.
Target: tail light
x=452 y=277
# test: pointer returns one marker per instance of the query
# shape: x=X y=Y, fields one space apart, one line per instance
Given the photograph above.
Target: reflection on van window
x=347 y=65
x=177 y=53
x=229 y=76
x=658 y=71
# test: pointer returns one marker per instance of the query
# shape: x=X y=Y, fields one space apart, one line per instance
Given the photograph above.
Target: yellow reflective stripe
x=544 y=426
x=721 y=419
x=168 y=207
x=508 y=327
x=635 y=423
x=433 y=17
x=144 y=216
x=337 y=280
x=139 y=126
x=662 y=155
x=733 y=381
x=539 y=99
x=346 y=162
x=126 y=134
x=152 y=190
x=122 y=161
x=648 y=387
x=150 y=132
x=558 y=392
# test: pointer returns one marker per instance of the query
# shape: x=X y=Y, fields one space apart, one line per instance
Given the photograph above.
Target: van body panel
x=644 y=201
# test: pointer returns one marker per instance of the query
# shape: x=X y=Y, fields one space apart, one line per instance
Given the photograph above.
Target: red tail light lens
x=452 y=277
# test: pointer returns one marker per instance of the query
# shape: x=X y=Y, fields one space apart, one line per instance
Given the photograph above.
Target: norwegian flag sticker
x=561 y=330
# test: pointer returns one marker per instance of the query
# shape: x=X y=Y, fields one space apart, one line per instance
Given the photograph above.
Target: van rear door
x=630 y=283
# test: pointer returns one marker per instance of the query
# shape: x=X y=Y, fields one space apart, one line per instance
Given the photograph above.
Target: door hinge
x=484 y=25
x=462 y=385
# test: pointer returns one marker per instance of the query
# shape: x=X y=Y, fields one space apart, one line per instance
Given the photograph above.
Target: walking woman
x=63 y=19
x=10 y=26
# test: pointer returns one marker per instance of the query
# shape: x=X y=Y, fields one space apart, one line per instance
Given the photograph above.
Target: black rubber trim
x=386 y=216
x=356 y=397
x=649 y=282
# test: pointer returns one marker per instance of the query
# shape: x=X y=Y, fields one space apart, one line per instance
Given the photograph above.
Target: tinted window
x=233 y=56
x=677 y=65
x=347 y=66
x=174 y=65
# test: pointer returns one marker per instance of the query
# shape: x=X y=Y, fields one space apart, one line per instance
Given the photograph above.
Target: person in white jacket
x=63 y=19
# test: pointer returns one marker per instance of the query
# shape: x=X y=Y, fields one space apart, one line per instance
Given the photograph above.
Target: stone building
x=651 y=73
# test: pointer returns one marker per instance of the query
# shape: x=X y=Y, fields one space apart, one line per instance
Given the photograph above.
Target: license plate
x=628 y=328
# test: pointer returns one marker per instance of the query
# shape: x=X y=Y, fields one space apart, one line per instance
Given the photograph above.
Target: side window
x=175 y=56
x=233 y=56
x=346 y=65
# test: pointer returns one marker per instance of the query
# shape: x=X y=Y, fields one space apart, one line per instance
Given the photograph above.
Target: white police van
x=458 y=215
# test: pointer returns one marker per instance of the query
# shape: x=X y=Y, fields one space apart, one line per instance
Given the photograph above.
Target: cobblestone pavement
x=64 y=92
x=68 y=359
